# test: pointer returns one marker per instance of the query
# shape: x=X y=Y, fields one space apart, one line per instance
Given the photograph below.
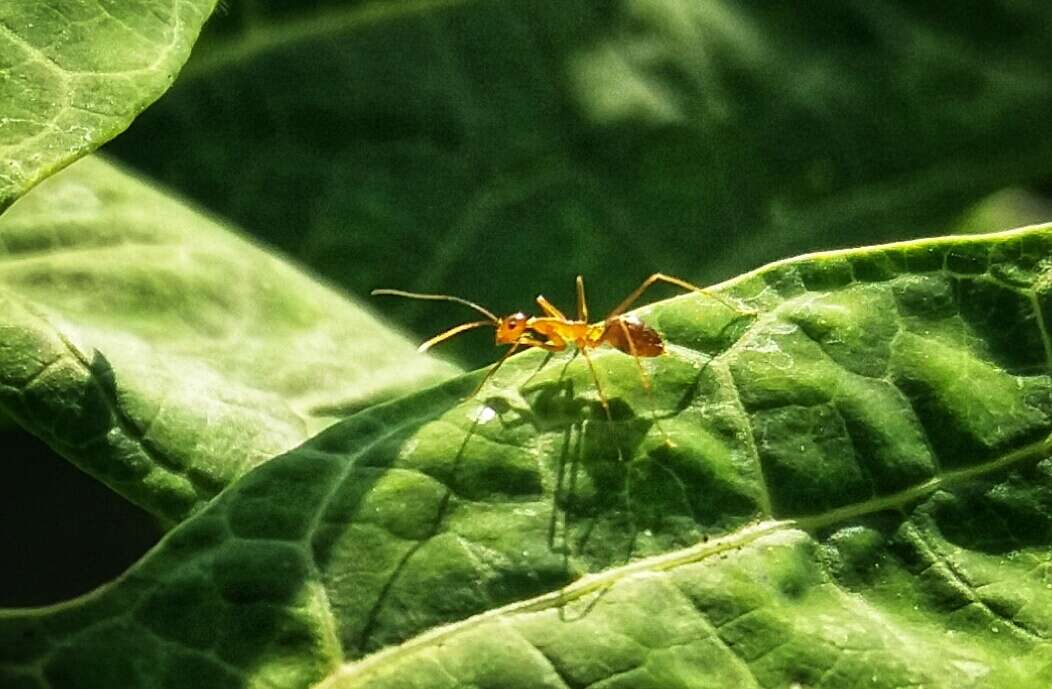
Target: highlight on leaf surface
x=852 y=488
x=75 y=73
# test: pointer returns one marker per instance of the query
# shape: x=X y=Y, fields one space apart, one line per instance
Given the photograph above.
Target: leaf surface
x=73 y=73
x=164 y=354
x=850 y=487
x=505 y=148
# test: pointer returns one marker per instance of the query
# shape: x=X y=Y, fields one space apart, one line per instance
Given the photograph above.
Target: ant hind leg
x=645 y=380
x=669 y=279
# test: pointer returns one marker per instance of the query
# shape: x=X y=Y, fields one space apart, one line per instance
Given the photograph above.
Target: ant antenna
x=439 y=297
x=455 y=330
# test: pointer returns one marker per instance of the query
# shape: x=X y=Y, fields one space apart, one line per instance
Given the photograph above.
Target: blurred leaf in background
x=498 y=149
x=72 y=75
x=139 y=338
x=164 y=354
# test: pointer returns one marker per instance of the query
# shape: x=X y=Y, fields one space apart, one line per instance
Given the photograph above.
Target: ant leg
x=553 y=344
x=645 y=380
x=661 y=277
x=524 y=341
x=598 y=387
x=635 y=354
x=629 y=506
x=446 y=334
x=496 y=366
x=550 y=308
x=547 y=357
x=582 y=304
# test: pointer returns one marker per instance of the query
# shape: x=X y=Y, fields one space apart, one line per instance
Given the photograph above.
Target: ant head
x=511 y=328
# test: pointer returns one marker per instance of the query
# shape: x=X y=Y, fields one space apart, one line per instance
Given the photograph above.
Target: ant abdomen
x=633 y=336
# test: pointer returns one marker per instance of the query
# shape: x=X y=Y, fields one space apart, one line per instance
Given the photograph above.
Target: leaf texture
x=74 y=73
x=850 y=487
x=165 y=355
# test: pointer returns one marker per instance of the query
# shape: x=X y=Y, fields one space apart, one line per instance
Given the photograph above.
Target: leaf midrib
x=593 y=583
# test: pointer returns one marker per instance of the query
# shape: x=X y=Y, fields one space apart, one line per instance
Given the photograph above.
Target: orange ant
x=554 y=332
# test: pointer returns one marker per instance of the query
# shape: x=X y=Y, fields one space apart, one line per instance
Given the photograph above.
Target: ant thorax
x=561 y=332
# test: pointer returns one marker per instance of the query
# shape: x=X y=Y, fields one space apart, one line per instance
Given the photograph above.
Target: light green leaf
x=851 y=487
x=164 y=354
x=73 y=73
x=507 y=147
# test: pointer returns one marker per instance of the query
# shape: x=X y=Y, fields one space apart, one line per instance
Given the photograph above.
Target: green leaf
x=850 y=487
x=507 y=147
x=164 y=354
x=74 y=73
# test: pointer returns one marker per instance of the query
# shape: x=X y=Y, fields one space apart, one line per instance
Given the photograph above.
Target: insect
x=554 y=331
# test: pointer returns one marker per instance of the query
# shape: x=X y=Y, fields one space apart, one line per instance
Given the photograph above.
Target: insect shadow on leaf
x=565 y=600
x=593 y=484
x=592 y=475
x=556 y=406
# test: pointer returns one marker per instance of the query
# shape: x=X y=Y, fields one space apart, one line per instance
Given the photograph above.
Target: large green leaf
x=852 y=487
x=164 y=354
x=73 y=73
x=506 y=147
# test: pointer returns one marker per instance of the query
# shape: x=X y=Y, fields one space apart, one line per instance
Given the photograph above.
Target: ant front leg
x=500 y=362
x=553 y=344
